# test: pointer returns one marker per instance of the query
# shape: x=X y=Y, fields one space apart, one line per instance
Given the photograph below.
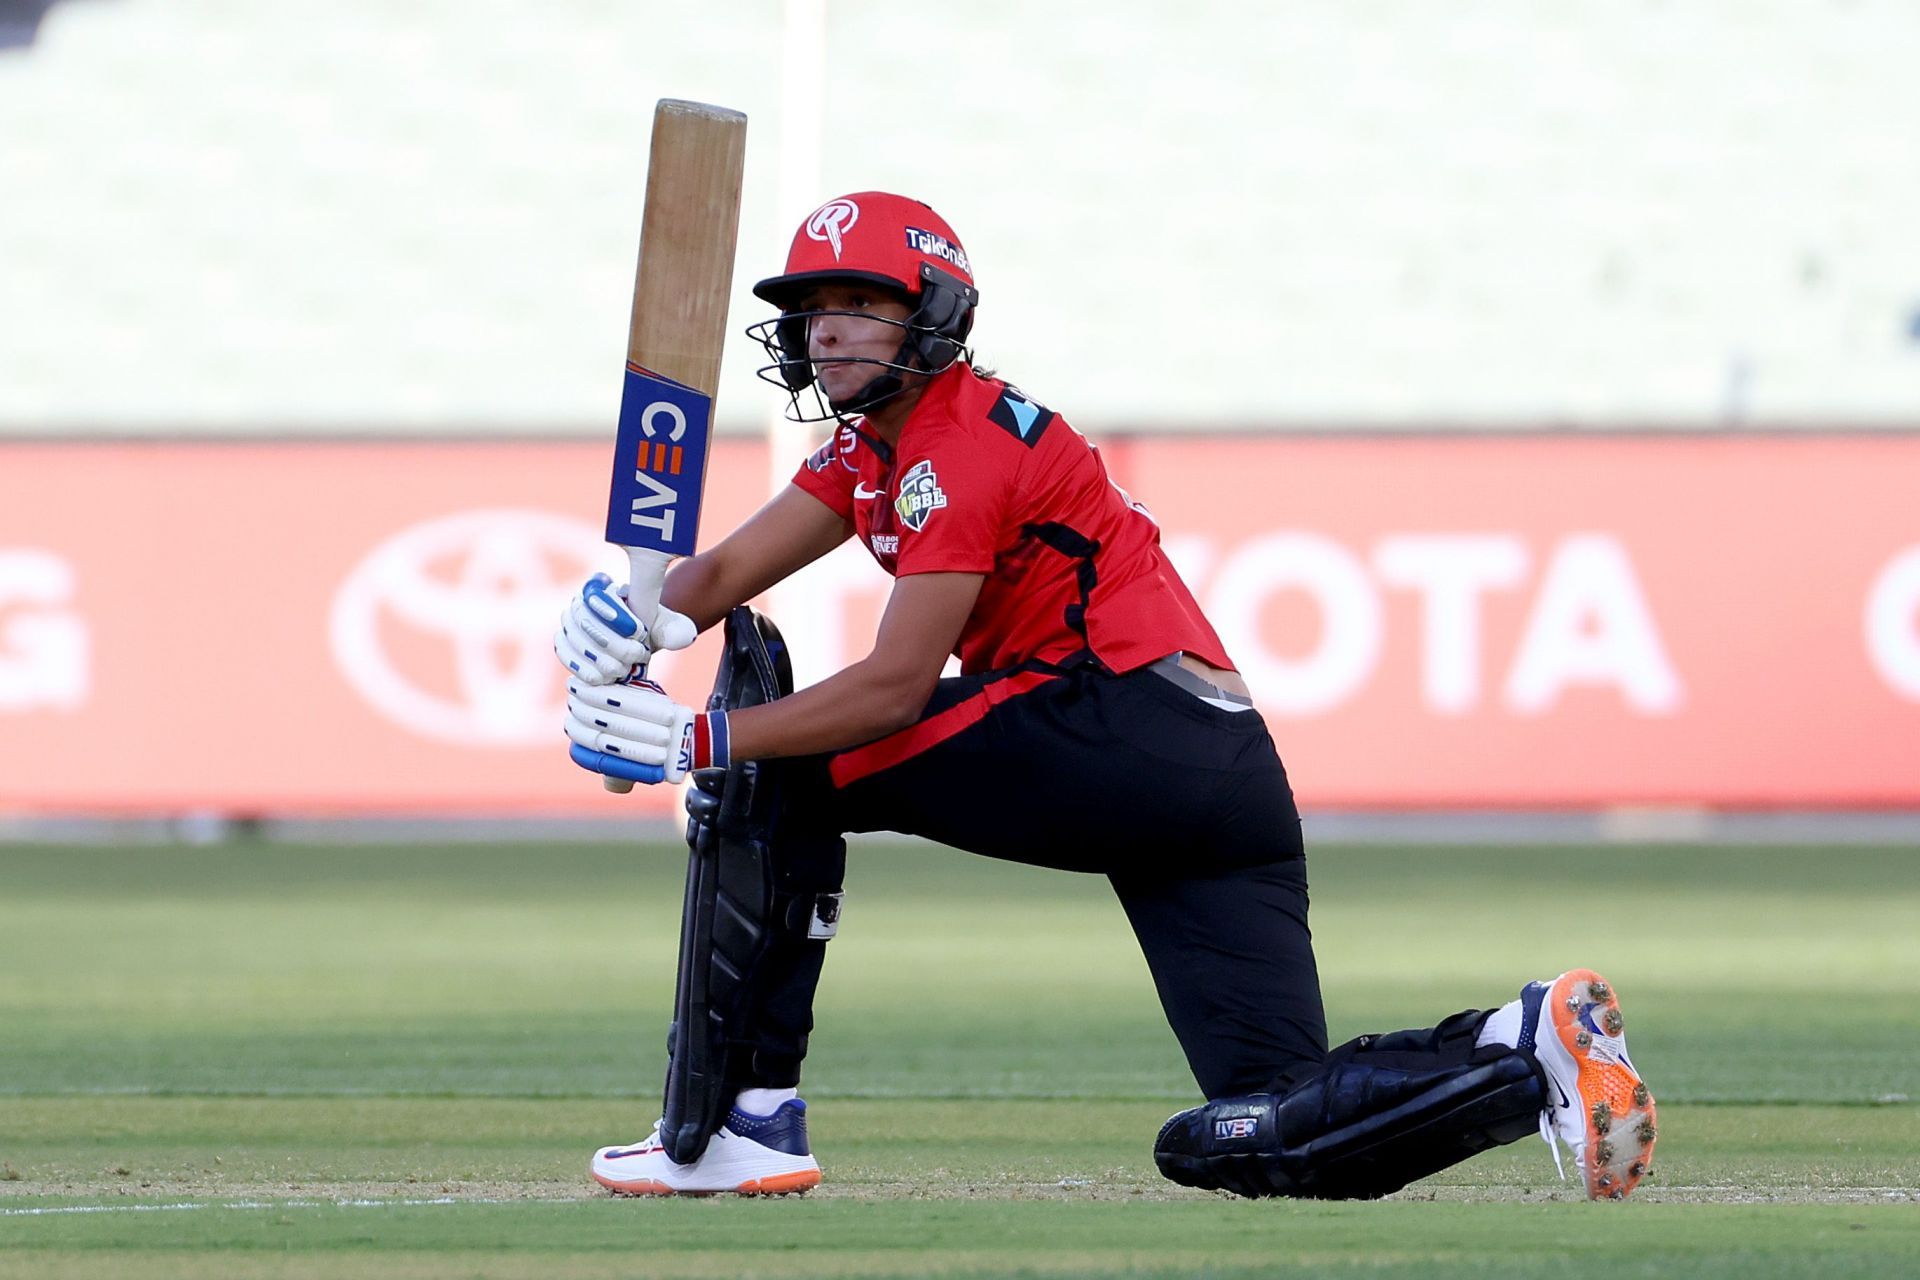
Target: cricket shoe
x=1596 y=1102
x=750 y=1156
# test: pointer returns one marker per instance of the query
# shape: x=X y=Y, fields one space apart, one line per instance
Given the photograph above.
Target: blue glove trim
x=616 y=615
x=615 y=766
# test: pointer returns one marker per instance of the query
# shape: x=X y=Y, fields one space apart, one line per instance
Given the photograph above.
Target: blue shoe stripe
x=784 y=1131
x=1532 y=997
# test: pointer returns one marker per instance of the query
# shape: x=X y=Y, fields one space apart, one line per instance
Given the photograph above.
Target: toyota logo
x=446 y=628
x=831 y=221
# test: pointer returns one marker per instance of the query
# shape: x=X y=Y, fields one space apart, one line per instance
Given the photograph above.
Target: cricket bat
x=674 y=341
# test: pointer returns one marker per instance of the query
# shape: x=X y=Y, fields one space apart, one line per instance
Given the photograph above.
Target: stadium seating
x=373 y=217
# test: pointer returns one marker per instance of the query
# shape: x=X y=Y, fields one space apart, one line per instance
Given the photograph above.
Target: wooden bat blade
x=687 y=240
x=678 y=327
x=675 y=338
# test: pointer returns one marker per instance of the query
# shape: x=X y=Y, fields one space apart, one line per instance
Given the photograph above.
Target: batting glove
x=602 y=640
x=635 y=731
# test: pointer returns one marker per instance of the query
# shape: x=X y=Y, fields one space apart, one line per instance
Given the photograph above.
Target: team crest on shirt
x=840 y=446
x=1024 y=419
x=920 y=496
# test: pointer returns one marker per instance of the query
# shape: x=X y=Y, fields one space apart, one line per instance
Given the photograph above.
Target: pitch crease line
x=252 y=1204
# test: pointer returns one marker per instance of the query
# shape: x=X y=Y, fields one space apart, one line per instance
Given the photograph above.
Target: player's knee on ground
x=1384 y=1111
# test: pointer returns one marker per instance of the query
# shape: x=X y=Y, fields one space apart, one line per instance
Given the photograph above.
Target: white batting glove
x=617 y=727
x=602 y=640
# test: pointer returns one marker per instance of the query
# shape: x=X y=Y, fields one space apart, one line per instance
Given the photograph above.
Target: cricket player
x=1098 y=725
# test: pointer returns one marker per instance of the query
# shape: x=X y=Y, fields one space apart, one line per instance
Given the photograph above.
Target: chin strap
x=879 y=389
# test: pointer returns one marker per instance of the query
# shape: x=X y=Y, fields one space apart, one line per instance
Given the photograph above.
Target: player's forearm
x=857 y=705
x=788 y=534
x=702 y=588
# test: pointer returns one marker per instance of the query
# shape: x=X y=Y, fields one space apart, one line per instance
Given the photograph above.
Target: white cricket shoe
x=750 y=1156
x=1596 y=1102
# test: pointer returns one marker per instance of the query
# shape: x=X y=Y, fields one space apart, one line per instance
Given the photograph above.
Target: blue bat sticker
x=659 y=464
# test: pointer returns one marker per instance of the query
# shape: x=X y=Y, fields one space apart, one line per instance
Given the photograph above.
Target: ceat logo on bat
x=659 y=464
x=920 y=496
x=831 y=221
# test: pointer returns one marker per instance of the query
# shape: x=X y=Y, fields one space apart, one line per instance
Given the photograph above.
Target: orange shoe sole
x=781 y=1184
x=1619 y=1111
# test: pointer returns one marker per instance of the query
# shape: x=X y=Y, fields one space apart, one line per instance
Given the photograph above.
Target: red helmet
x=881 y=239
x=874 y=236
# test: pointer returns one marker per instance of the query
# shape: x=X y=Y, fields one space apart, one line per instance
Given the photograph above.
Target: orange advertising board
x=1551 y=621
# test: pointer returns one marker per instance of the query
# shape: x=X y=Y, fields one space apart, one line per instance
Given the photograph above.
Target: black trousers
x=1184 y=806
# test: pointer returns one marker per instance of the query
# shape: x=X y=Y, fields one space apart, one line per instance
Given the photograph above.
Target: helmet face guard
x=893 y=243
x=932 y=340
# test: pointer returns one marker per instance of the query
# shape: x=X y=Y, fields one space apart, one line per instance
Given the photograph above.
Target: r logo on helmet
x=831 y=221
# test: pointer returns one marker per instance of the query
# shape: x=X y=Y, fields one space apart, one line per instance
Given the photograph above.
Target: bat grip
x=646 y=575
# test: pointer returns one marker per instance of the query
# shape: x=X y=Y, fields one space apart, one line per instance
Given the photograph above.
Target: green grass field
x=353 y=1061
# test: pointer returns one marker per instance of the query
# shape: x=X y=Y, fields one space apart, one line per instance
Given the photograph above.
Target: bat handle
x=646 y=575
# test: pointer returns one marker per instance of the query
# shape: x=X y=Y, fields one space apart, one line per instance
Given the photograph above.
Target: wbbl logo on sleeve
x=920 y=496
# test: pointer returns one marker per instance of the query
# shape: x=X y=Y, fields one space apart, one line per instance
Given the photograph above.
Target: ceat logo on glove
x=446 y=627
x=831 y=221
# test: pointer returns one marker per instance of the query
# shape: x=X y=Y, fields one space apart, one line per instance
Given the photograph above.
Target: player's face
x=868 y=329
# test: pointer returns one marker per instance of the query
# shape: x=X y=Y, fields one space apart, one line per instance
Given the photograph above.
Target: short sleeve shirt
x=986 y=480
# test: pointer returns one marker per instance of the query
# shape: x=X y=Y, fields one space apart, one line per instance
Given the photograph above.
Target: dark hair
x=983 y=370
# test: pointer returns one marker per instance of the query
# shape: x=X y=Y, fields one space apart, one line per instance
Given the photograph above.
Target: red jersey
x=985 y=480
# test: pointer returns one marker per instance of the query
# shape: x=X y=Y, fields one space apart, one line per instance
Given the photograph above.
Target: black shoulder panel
x=1023 y=419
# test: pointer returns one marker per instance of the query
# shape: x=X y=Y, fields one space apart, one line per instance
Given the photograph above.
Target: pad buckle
x=824 y=920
